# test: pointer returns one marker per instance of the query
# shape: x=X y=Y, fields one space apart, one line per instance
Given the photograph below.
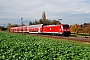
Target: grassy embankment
x=80 y=35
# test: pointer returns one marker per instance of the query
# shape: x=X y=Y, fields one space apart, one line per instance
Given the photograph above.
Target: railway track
x=78 y=39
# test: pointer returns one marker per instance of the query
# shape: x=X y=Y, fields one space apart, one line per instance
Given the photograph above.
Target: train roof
x=56 y=25
x=38 y=25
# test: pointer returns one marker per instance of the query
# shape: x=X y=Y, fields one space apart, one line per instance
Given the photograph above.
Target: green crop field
x=21 y=47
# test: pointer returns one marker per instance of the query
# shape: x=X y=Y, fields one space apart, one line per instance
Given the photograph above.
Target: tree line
x=45 y=22
x=83 y=28
x=75 y=28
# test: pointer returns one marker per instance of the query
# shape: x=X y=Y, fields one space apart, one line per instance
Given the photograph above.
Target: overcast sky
x=71 y=11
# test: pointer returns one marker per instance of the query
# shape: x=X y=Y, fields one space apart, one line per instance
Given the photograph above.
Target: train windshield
x=65 y=26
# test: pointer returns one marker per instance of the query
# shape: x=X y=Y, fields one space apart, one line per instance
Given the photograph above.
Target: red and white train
x=60 y=29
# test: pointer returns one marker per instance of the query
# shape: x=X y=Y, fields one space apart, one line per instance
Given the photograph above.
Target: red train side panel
x=52 y=29
x=57 y=29
x=35 y=28
x=19 y=29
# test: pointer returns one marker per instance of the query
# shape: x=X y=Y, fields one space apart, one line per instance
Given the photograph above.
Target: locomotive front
x=66 y=30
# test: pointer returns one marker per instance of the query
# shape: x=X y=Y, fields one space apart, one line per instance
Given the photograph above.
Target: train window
x=65 y=26
x=21 y=29
x=60 y=26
